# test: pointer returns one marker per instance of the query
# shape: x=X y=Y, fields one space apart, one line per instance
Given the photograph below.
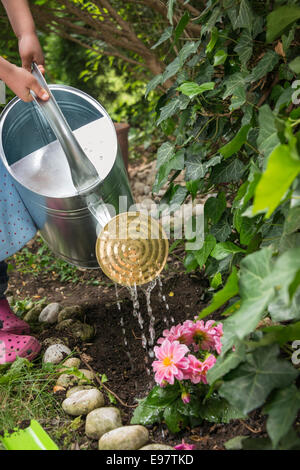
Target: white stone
x=78 y=388
x=56 y=353
x=83 y=402
x=102 y=420
x=155 y=446
x=50 y=313
x=124 y=438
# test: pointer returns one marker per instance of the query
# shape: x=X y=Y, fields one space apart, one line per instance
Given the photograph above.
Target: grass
x=26 y=392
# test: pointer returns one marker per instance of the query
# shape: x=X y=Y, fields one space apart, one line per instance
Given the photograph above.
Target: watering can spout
x=83 y=172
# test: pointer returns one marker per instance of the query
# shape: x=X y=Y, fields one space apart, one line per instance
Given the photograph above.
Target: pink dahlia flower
x=197 y=370
x=184 y=446
x=203 y=335
x=171 y=362
x=181 y=333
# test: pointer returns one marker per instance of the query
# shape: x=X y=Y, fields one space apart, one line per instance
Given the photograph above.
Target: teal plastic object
x=31 y=438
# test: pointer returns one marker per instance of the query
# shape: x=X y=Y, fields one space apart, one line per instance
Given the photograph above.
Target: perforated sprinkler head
x=132 y=248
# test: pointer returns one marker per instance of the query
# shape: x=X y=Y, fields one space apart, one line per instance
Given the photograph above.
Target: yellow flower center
x=167 y=361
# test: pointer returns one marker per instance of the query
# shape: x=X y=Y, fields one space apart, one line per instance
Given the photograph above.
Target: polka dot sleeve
x=16 y=225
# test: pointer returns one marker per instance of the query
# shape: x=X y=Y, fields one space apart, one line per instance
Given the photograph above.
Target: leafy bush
x=232 y=125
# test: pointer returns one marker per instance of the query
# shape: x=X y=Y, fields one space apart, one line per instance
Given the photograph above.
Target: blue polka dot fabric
x=16 y=225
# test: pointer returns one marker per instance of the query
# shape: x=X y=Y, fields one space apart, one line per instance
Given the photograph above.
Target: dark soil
x=186 y=295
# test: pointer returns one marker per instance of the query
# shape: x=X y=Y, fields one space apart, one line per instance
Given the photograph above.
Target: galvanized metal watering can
x=67 y=165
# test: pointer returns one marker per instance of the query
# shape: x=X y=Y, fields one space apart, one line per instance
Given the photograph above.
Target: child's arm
x=19 y=80
x=24 y=28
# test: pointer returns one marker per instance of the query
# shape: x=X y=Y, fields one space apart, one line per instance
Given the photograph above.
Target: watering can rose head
x=174 y=358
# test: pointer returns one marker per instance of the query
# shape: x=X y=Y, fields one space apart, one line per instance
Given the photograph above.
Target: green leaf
x=213 y=40
x=192 y=89
x=194 y=167
x=164 y=37
x=238 y=98
x=227 y=172
x=170 y=10
x=294 y=65
x=202 y=254
x=216 y=281
x=218 y=410
x=233 y=82
x=222 y=250
x=255 y=379
x=175 y=162
x=225 y=364
x=267 y=139
x=188 y=49
x=264 y=66
x=173 y=418
x=282 y=411
x=282 y=311
x=220 y=57
x=230 y=289
x=292 y=220
x=244 y=47
x=222 y=230
x=245 y=16
x=163 y=396
x=236 y=143
x=146 y=414
x=214 y=208
x=281 y=171
x=280 y=19
x=181 y=25
x=165 y=152
x=157 y=80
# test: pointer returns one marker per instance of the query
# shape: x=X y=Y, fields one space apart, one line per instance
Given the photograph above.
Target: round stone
x=49 y=314
x=124 y=438
x=155 y=446
x=102 y=420
x=56 y=353
x=83 y=402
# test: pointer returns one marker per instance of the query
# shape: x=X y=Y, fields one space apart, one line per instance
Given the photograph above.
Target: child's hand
x=20 y=81
x=30 y=51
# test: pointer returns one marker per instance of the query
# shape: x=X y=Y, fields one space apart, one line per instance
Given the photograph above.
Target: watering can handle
x=84 y=174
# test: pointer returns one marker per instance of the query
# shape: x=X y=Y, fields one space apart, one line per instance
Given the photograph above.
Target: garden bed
x=106 y=353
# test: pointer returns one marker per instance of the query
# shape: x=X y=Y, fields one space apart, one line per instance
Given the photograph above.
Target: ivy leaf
x=294 y=65
x=226 y=172
x=282 y=311
x=172 y=107
x=194 y=167
x=255 y=379
x=187 y=50
x=238 y=98
x=192 y=89
x=222 y=229
x=164 y=37
x=236 y=143
x=170 y=10
x=280 y=19
x=222 y=250
x=214 y=208
x=267 y=138
x=245 y=16
x=165 y=152
x=181 y=25
x=220 y=57
x=264 y=66
x=281 y=171
x=157 y=80
x=225 y=364
x=213 y=40
x=230 y=289
x=175 y=162
x=202 y=254
x=233 y=82
x=244 y=47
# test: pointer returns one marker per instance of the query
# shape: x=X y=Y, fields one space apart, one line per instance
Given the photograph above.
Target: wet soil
x=126 y=366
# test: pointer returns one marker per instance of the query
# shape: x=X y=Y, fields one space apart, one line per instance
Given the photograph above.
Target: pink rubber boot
x=9 y=322
x=12 y=346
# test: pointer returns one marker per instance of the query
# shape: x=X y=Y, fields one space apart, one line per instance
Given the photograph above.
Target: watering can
x=66 y=163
